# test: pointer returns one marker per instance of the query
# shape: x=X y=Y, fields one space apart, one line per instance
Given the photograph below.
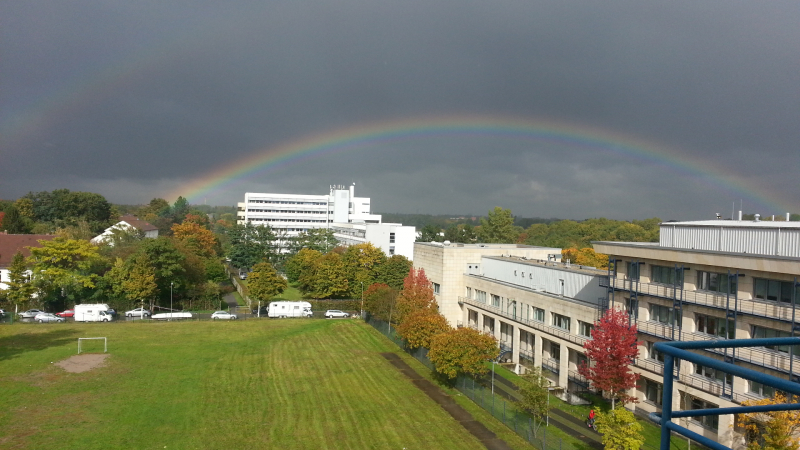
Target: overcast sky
x=143 y=99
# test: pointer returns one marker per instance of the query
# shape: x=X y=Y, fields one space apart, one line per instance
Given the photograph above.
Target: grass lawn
x=241 y=384
x=291 y=294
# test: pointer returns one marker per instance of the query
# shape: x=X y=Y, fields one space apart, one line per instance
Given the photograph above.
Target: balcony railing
x=575 y=376
x=553 y=331
x=772 y=310
x=651 y=365
x=551 y=364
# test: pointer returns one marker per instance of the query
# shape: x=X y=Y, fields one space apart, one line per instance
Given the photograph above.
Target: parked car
x=2 y=312
x=47 y=317
x=138 y=312
x=29 y=314
x=331 y=313
x=66 y=313
x=263 y=312
x=111 y=311
x=223 y=315
x=242 y=274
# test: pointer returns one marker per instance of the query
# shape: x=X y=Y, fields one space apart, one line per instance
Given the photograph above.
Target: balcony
x=553 y=365
x=773 y=310
x=576 y=377
x=553 y=331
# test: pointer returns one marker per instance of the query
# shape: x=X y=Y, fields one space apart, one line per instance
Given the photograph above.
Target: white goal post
x=105 y=343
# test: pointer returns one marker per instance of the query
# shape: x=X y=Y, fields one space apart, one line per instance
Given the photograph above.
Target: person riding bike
x=590 y=421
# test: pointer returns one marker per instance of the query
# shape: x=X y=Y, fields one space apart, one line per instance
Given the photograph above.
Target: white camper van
x=289 y=309
x=93 y=312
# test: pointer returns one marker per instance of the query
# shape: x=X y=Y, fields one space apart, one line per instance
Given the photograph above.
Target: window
x=436 y=288
x=762 y=390
x=391 y=238
x=715 y=326
x=652 y=353
x=633 y=270
x=391 y=250
x=480 y=296
x=653 y=392
x=560 y=321
x=585 y=328
x=711 y=422
x=496 y=300
x=538 y=314
x=469 y=292
x=555 y=351
x=716 y=375
x=715 y=282
x=774 y=290
x=632 y=308
x=761 y=332
x=666 y=275
x=581 y=360
x=663 y=314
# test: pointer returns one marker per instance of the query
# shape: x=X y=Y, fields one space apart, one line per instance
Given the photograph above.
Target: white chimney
x=758 y=217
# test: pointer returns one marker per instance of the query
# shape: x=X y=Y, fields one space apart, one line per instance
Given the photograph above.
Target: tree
x=419 y=327
x=168 y=266
x=430 y=233
x=464 y=234
x=264 y=282
x=379 y=300
x=64 y=265
x=14 y=222
x=585 y=257
x=499 y=227
x=327 y=277
x=393 y=271
x=612 y=350
x=416 y=295
x=198 y=238
x=20 y=289
x=361 y=263
x=534 y=394
x=319 y=239
x=619 y=429
x=775 y=430
x=133 y=280
x=301 y=263
x=462 y=350
x=251 y=244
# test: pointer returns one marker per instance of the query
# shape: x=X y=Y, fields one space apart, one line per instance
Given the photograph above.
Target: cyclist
x=590 y=421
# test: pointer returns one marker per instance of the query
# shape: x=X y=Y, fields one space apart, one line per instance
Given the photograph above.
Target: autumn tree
x=498 y=227
x=533 y=393
x=326 y=278
x=612 y=351
x=264 y=282
x=420 y=326
x=64 y=266
x=416 y=295
x=462 y=350
x=133 y=280
x=200 y=239
x=361 y=262
x=302 y=262
x=379 y=300
x=585 y=257
x=774 y=430
x=619 y=429
x=20 y=289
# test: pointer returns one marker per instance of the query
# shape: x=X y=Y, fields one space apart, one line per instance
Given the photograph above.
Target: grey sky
x=136 y=100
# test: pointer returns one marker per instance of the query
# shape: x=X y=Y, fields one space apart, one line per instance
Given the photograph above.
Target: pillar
x=537 y=350
x=563 y=366
x=515 y=345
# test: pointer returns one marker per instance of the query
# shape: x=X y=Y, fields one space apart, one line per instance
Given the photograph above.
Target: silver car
x=47 y=317
x=30 y=314
x=223 y=315
x=138 y=312
x=331 y=313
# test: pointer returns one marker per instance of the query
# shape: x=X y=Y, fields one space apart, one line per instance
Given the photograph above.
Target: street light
x=170 y=300
x=362 y=299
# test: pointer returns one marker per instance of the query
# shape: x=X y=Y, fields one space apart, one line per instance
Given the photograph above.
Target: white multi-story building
x=706 y=280
x=349 y=216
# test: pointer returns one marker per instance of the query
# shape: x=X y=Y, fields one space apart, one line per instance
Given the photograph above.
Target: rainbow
x=369 y=135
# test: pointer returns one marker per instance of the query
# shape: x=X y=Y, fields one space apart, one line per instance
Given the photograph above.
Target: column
x=515 y=345
x=537 y=350
x=563 y=367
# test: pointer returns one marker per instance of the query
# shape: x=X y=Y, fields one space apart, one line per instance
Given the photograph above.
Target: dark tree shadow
x=22 y=342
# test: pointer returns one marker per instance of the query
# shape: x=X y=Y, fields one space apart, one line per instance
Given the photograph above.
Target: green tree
x=619 y=429
x=20 y=289
x=328 y=277
x=251 y=244
x=393 y=271
x=300 y=264
x=499 y=227
x=133 y=280
x=462 y=350
x=168 y=265
x=464 y=234
x=430 y=233
x=265 y=283
x=64 y=266
x=361 y=263
x=534 y=395
x=379 y=300
x=319 y=239
x=15 y=223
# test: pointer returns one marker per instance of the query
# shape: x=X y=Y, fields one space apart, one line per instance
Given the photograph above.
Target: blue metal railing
x=680 y=351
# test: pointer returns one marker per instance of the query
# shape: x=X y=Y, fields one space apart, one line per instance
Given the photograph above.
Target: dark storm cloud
x=134 y=100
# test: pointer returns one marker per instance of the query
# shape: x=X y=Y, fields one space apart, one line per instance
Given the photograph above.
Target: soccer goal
x=105 y=343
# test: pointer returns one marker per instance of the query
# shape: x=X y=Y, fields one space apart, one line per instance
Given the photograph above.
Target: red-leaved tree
x=612 y=350
x=417 y=294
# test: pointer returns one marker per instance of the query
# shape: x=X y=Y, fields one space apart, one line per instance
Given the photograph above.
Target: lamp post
x=362 y=299
x=170 y=300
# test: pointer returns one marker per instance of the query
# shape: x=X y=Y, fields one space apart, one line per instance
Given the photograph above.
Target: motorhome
x=93 y=312
x=289 y=309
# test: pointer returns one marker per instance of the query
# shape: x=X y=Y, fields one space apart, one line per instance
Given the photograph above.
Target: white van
x=289 y=309
x=93 y=312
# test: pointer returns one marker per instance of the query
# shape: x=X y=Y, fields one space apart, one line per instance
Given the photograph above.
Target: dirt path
x=83 y=363
x=230 y=299
x=477 y=429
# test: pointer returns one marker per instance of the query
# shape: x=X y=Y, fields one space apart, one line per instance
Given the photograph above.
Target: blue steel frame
x=679 y=350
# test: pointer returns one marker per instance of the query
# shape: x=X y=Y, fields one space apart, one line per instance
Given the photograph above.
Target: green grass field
x=229 y=385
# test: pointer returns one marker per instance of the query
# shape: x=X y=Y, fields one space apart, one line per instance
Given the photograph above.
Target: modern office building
x=349 y=216
x=702 y=281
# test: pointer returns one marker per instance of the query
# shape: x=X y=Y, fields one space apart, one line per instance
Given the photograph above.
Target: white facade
x=541 y=311
x=392 y=238
x=349 y=216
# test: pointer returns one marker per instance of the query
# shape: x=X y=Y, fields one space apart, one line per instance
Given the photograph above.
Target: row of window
x=284 y=211
x=256 y=219
x=706 y=281
x=276 y=202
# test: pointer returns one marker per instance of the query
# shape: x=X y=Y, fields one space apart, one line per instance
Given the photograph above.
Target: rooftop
x=735 y=223
x=10 y=244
